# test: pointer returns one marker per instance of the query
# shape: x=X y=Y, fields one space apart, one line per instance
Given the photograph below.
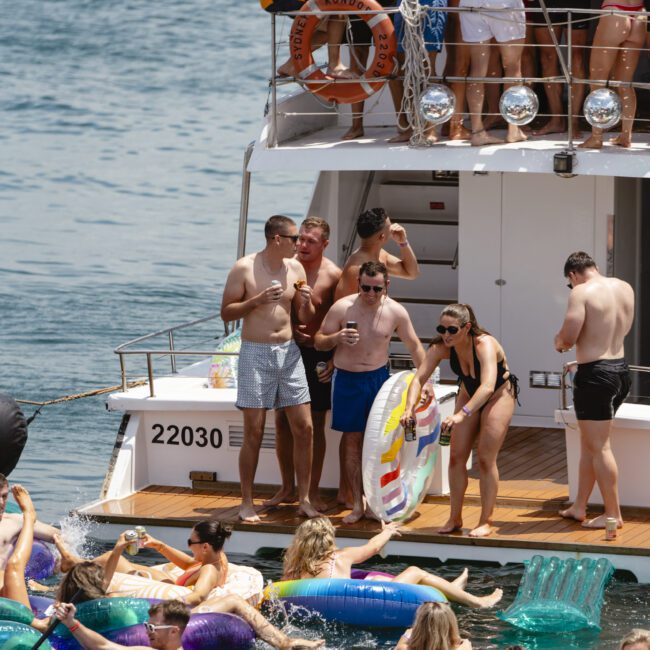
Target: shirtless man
x=264 y=289
x=361 y=359
x=322 y=276
x=618 y=42
x=374 y=229
x=598 y=317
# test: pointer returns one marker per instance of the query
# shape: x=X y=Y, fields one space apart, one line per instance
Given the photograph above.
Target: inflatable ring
x=356 y=602
x=11 y=610
x=383 y=35
x=18 y=636
x=396 y=473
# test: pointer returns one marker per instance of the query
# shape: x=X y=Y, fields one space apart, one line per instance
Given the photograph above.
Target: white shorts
x=503 y=26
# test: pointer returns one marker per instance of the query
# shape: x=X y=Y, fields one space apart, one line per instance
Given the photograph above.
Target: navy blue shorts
x=599 y=388
x=352 y=396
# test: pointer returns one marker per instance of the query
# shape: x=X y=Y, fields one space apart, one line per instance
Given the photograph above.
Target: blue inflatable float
x=18 y=636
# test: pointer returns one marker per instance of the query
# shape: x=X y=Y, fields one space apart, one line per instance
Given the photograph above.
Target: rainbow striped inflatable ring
x=367 y=603
x=396 y=473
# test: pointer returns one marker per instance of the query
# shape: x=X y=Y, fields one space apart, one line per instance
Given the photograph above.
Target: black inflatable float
x=13 y=433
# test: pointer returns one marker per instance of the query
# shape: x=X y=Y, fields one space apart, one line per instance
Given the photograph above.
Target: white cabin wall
x=324 y=204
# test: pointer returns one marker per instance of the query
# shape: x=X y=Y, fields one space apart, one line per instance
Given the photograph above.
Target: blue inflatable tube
x=369 y=603
x=18 y=636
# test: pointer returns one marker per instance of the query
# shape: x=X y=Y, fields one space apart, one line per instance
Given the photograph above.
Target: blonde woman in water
x=313 y=554
x=435 y=628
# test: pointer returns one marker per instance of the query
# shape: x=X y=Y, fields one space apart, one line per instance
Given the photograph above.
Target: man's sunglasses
x=366 y=288
x=151 y=628
x=293 y=238
x=452 y=329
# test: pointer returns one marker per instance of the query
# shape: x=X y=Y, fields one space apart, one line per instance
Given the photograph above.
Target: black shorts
x=599 y=388
x=579 y=20
x=359 y=31
x=320 y=392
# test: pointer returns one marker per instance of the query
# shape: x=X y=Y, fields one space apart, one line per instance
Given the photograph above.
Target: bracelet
x=404 y=244
x=466 y=411
x=75 y=627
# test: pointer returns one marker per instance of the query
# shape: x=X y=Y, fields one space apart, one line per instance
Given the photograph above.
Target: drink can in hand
x=132 y=537
x=611 y=528
x=321 y=367
x=351 y=325
x=445 y=437
x=142 y=533
x=409 y=431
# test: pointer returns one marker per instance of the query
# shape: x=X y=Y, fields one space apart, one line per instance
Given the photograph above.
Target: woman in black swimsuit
x=484 y=407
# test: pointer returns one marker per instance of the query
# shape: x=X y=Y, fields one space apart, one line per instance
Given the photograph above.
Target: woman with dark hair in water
x=484 y=407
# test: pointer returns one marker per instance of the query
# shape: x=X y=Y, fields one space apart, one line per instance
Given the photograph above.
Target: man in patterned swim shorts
x=265 y=289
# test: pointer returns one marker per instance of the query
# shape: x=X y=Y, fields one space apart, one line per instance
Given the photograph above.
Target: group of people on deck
x=298 y=310
x=514 y=43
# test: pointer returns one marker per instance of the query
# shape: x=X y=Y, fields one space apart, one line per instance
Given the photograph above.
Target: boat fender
x=383 y=62
x=13 y=434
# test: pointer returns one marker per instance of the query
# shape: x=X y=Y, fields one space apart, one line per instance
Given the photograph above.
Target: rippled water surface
x=122 y=130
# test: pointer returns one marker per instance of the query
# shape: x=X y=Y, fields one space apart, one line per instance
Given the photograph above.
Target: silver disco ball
x=519 y=105
x=603 y=108
x=437 y=104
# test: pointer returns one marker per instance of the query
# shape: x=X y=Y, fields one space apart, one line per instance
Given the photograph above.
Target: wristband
x=466 y=411
x=404 y=244
x=75 y=627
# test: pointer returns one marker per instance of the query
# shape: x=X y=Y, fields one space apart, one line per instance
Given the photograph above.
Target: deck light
x=563 y=164
x=437 y=104
x=519 y=105
x=602 y=108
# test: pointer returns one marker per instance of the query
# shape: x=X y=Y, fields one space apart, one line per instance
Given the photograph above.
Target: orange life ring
x=382 y=64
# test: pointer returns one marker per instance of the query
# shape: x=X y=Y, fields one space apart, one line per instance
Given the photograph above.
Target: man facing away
x=264 y=289
x=598 y=317
x=375 y=229
x=322 y=276
x=361 y=360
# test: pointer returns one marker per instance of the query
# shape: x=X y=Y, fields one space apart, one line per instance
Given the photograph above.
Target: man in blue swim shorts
x=598 y=318
x=360 y=328
x=265 y=290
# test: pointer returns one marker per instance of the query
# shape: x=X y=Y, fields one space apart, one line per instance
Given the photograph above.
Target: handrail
x=566 y=371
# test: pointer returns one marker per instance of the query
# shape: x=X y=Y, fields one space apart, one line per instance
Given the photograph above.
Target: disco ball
x=602 y=108
x=519 y=105
x=437 y=104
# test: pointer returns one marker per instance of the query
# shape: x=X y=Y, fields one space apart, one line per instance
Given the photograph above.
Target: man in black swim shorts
x=549 y=60
x=598 y=317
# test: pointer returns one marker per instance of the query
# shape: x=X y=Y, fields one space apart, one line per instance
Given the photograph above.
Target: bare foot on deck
x=341 y=72
x=461 y=580
x=353 y=133
x=68 y=558
x=483 y=530
x=515 y=134
x=24 y=501
x=482 y=138
x=248 y=514
x=353 y=517
x=302 y=643
x=552 y=126
x=494 y=122
x=450 y=527
x=599 y=522
x=490 y=601
x=402 y=136
x=344 y=500
x=318 y=503
x=592 y=142
x=622 y=141
x=281 y=496
x=459 y=132
x=573 y=513
x=306 y=509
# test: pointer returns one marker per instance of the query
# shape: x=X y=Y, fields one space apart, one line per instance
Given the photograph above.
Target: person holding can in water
x=484 y=407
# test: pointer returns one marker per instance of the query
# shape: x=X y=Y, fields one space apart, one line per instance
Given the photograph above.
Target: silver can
x=611 y=528
x=132 y=537
x=321 y=367
x=142 y=533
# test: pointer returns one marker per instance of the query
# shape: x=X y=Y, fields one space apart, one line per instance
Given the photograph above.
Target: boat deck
x=533 y=486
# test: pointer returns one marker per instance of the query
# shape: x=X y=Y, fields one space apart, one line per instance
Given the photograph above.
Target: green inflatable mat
x=559 y=595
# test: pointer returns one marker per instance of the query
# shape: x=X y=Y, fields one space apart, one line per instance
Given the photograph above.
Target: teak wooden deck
x=533 y=486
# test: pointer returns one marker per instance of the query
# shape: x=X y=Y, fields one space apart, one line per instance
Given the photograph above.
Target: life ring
x=396 y=473
x=383 y=62
x=18 y=636
x=370 y=603
x=243 y=581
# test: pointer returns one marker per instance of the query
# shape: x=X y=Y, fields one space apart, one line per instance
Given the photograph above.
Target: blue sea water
x=122 y=131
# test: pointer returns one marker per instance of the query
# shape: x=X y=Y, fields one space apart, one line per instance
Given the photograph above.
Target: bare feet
x=37 y=586
x=459 y=132
x=515 y=134
x=24 y=501
x=481 y=138
x=493 y=122
x=573 y=513
x=344 y=500
x=461 y=580
x=353 y=133
x=306 y=509
x=281 y=496
x=599 y=522
x=341 y=72
x=353 y=517
x=302 y=643
x=402 y=136
x=248 y=514
x=552 y=126
x=622 y=141
x=318 y=503
x=481 y=531
x=450 y=527
x=592 y=142
x=68 y=558
x=431 y=136
x=490 y=601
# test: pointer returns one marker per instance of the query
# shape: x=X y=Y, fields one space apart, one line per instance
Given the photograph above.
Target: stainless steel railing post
x=172 y=356
x=150 y=374
x=273 y=139
x=123 y=371
x=569 y=105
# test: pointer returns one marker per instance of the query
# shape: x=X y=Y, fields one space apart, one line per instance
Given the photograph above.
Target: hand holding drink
x=352 y=337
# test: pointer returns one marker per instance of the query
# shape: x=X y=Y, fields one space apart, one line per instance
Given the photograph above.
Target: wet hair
x=312 y=545
x=578 y=262
x=213 y=532
x=276 y=225
x=174 y=612
x=372 y=268
x=317 y=222
x=463 y=314
x=3 y=480
x=636 y=636
x=435 y=628
x=371 y=222
x=85 y=576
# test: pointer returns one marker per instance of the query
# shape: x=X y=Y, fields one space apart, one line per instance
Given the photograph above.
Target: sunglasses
x=293 y=238
x=150 y=627
x=191 y=542
x=366 y=288
x=452 y=329
x=570 y=286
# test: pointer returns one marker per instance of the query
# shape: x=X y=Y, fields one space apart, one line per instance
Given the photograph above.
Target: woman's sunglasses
x=191 y=542
x=366 y=288
x=452 y=329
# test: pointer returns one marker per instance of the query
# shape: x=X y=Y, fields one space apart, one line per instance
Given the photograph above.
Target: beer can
x=611 y=528
x=445 y=437
x=321 y=367
x=409 y=431
x=132 y=537
x=351 y=325
x=142 y=533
